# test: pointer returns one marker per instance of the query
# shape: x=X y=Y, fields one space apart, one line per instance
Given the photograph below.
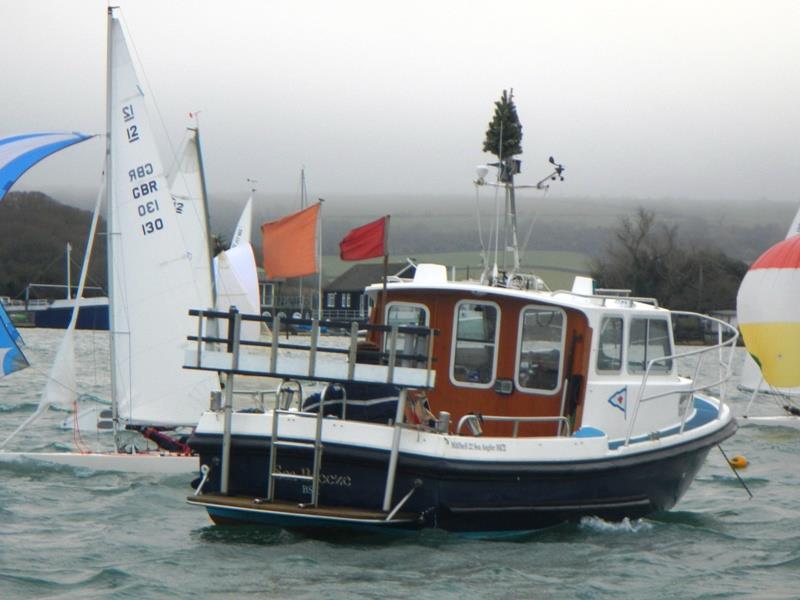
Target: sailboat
x=155 y=276
x=768 y=316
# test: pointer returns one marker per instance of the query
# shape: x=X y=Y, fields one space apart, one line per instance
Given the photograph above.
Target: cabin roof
x=471 y=289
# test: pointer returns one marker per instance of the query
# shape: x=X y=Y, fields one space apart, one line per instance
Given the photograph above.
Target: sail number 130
x=146 y=209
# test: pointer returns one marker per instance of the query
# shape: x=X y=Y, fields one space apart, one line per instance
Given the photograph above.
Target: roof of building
x=359 y=276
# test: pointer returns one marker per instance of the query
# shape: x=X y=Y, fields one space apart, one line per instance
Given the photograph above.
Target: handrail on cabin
x=474 y=420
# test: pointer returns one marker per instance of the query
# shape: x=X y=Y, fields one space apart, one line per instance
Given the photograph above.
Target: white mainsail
x=152 y=283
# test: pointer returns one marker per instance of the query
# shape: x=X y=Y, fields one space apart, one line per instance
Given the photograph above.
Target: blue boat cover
x=20 y=152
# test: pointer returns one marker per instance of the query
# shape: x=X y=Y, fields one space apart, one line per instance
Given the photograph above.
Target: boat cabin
x=524 y=362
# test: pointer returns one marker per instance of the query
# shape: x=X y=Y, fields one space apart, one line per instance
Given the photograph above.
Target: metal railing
x=387 y=353
x=724 y=350
x=475 y=420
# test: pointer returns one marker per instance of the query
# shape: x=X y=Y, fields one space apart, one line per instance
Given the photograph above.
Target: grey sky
x=638 y=99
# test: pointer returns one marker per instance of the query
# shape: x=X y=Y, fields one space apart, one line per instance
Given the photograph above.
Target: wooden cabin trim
x=459 y=399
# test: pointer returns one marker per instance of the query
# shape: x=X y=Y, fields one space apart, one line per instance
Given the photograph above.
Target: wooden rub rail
x=405 y=361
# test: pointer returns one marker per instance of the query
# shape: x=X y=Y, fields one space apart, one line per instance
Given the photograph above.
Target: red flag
x=367 y=241
x=290 y=244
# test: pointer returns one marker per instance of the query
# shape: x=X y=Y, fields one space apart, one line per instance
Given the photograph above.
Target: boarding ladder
x=284 y=397
x=403 y=368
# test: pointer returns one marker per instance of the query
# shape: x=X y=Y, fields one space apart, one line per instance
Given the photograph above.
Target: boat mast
x=69 y=271
x=110 y=234
x=204 y=200
x=303 y=204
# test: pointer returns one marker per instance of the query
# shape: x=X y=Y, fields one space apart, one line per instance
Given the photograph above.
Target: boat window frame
x=623 y=345
x=655 y=371
x=454 y=340
x=402 y=344
x=424 y=308
x=518 y=359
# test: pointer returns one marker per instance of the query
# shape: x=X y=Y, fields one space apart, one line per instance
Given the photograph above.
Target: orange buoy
x=738 y=462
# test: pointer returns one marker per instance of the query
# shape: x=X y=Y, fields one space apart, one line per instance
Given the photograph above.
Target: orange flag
x=290 y=244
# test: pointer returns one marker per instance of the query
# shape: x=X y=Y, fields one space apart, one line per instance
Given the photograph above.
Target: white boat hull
x=159 y=464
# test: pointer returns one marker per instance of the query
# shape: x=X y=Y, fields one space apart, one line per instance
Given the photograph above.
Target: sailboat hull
x=56 y=316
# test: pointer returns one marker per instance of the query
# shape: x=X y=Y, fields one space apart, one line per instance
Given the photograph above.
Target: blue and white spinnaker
x=19 y=153
x=11 y=357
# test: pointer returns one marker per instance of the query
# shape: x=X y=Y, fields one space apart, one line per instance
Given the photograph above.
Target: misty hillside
x=439 y=224
x=35 y=228
x=34 y=232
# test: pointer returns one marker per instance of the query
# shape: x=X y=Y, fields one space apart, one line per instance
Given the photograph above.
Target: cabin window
x=541 y=343
x=346 y=300
x=609 y=351
x=331 y=299
x=474 y=347
x=649 y=340
x=411 y=315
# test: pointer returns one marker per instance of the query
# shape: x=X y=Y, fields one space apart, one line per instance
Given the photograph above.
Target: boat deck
x=234 y=509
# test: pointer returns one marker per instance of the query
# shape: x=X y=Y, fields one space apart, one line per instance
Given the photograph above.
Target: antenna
x=507 y=183
x=555 y=175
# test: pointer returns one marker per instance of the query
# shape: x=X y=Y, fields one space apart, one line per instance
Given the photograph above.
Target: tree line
x=648 y=258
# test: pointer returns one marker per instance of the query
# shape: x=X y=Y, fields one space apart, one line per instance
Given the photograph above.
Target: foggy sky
x=637 y=99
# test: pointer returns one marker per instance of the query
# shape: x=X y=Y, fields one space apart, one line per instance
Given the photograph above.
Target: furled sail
x=769 y=314
x=20 y=152
x=152 y=281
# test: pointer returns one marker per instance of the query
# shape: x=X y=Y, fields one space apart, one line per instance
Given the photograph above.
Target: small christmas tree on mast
x=504 y=135
x=504 y=140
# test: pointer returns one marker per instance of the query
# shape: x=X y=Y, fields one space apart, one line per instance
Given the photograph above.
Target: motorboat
x=471 y=406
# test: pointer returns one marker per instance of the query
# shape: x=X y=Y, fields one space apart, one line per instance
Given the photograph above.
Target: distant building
x=344 y=297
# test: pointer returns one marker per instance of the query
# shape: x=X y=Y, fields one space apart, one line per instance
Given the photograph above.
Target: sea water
x=71 y=533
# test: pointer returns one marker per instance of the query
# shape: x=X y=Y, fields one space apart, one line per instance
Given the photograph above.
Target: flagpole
x=319 y=279
x=385 y=261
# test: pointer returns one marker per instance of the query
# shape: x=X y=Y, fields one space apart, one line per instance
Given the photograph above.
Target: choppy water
x=68 y=533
